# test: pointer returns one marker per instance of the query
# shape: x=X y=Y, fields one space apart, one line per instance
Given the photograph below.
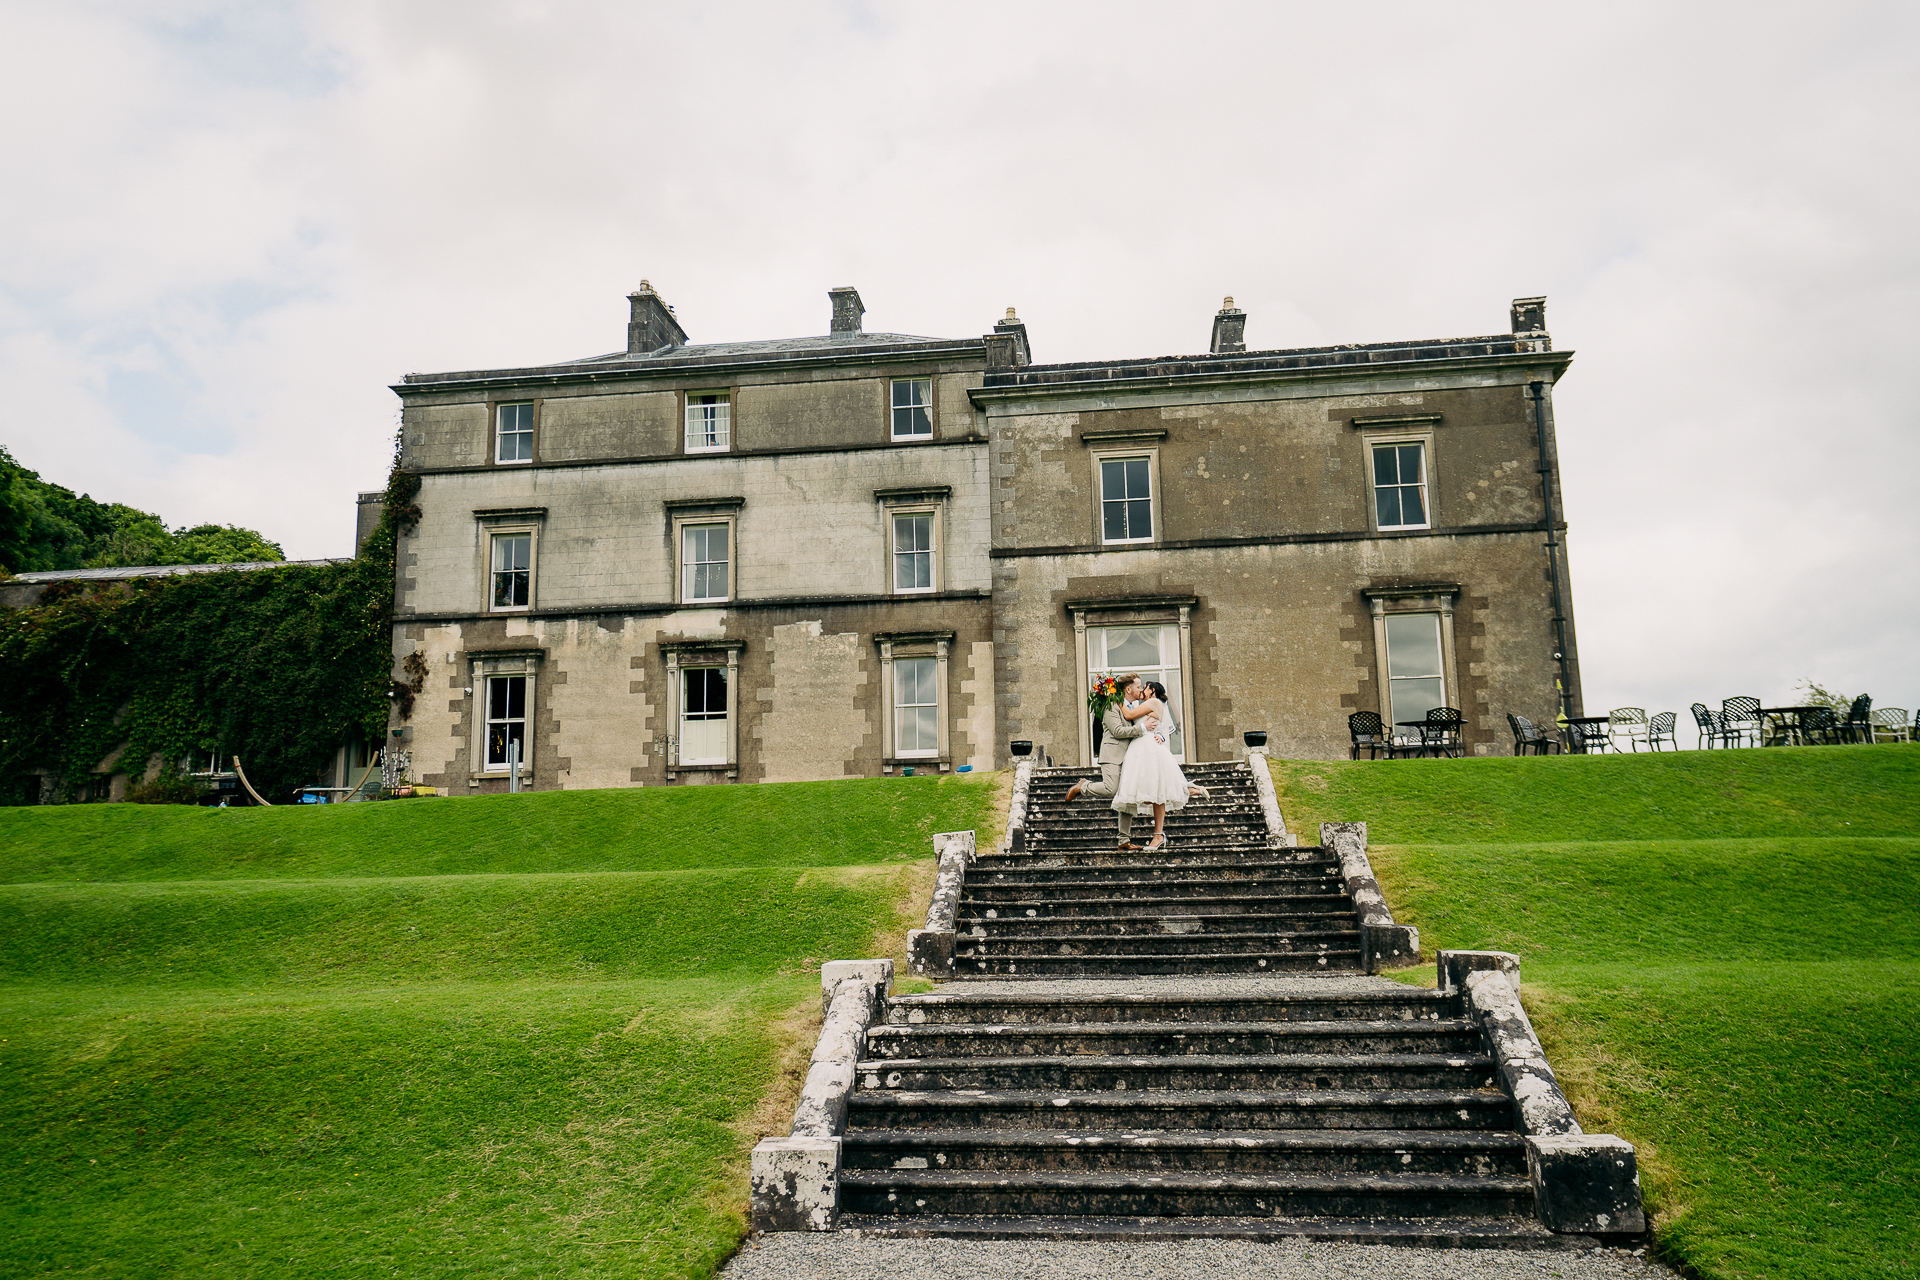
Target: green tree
x=223 y=544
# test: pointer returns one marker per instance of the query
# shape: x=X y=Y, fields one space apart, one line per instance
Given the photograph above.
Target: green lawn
x=513 y=1036
x=1722 y=953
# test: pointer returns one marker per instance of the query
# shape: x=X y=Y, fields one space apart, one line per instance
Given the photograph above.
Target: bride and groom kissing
x=1136 y=766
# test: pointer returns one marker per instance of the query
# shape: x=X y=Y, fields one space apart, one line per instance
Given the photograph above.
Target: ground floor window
x=1153 y=651
x=1415 y=684
x=703 y=715
x=506 y=719
x=916 y=707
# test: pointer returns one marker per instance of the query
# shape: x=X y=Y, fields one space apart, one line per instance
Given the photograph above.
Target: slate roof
x=1249 y=362
x=715 y=353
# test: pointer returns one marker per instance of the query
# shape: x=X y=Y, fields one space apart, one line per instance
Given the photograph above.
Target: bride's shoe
x=1158 y=842
x=1195 y=789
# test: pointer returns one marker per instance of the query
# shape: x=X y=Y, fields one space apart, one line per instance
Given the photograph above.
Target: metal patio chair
x=1527 y=738
x=1369 y=735
x=1708 y=723
x=1660 y=729
x=1443 y=732
x=1890 y=725
x=1741 y=718
x=1821 y=727
x=1858 y=726
x=1628 y=724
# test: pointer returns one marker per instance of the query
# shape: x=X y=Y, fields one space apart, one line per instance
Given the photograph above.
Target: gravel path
x=826 y=1256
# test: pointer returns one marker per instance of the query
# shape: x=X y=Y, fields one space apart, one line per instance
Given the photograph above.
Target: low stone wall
x=1016 y=840
x=930 y=950
x=1383 y=944
x=1587 y=1183
x=796 y=1179
x=1277 y=834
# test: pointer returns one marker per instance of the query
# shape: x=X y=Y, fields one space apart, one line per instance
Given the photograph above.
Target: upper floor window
x=703 y=562
x=709 y=422
x=1126 y=500
x=912 y=408
x=1400 y=485
x=513 y=433
x=913 y=551
x=512 y=571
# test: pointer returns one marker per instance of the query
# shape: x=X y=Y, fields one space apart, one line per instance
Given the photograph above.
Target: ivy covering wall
x=277 y=666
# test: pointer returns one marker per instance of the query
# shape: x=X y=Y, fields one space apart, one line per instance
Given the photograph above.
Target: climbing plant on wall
x=277 y=666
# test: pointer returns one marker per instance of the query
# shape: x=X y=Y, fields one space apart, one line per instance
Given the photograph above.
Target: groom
x=1118 y=731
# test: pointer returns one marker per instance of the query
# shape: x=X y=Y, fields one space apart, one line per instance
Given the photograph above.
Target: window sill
x=1403 y=528
x=513 y=462
x=514 y=608
x=709 y=448
x=1127 y=542
x=732 y=770
x=921 y=438
x=942 y=764
x=916 y=591
x=691 y=600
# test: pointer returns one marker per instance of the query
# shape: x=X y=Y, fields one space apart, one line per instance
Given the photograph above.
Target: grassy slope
x=275 y=1048
x=1721 y=952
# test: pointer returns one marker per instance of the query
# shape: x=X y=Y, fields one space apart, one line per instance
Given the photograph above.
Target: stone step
x=1083 y=893
x=1455 y=1036
x=1237 y=1151
x=1206 y=1071
x=1168 y=965
x=1110 y=857
x=1158 y=943
x=1032 y=1109
x=973 y=910
x=1337 y=916
x=1020 y=1009
x=1199 y=870
x=1071 y=1193
x=1466 y=1232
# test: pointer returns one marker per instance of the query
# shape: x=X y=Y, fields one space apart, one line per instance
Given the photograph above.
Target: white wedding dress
x=1150 y=775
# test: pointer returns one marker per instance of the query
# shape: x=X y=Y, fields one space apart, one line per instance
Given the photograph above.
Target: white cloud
x=269 y=213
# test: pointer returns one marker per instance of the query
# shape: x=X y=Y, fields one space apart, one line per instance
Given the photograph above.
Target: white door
x=1152 y=650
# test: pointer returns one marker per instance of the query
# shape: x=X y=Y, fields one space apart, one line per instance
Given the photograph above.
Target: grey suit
x=1117 y=732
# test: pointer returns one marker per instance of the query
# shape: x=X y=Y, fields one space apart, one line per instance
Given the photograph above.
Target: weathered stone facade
x=857 y=553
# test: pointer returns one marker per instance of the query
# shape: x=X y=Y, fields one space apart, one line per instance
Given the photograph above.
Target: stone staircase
x=1214 y=1064
x=1333 y=1108
x=1218 y=899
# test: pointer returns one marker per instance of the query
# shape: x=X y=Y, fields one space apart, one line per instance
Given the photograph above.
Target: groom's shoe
x=1073 y=792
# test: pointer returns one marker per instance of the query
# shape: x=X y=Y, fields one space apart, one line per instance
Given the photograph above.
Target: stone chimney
x=1016 y=328
x=1529 y=317
x=847 y=310
x=652 y=325
x=1007 y=344
x=1229 y=328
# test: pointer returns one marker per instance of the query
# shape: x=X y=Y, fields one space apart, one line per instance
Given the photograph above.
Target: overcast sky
x=226 y=228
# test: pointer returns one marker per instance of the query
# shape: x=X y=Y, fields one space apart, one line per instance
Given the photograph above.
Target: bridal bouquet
x=1105 y=692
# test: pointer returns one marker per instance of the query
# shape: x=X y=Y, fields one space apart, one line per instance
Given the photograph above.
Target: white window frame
x=532 y=535
x=932 y=670
x=894 y=407
x=716 y=434
x=1155 y=516
x=520 y=435
x=908 y=647
x=706 y=717
x=681 y=526
x=1425 y=442
x=1440 y=658
x=687 y=657
x=932 y=552
x=487 y=721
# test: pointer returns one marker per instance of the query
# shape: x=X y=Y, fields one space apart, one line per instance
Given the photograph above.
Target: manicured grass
x=1686 y=795
x=498 y=1129
x=795 y=824
x=516 y=1036
x=1723 y=969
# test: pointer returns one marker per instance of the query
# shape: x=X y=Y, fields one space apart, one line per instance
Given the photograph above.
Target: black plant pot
x=1254 y=738
x=1020 y=747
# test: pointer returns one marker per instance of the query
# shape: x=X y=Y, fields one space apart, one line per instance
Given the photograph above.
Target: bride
x=1150 y=775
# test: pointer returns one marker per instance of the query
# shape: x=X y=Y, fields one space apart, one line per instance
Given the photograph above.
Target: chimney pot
x=847 y=311
x=1229 y=329
x=650 y=324
x=1010 y=314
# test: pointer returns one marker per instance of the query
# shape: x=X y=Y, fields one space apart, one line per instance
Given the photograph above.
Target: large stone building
x=852 y=554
